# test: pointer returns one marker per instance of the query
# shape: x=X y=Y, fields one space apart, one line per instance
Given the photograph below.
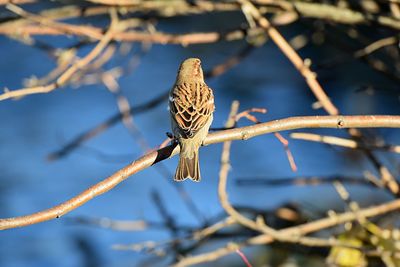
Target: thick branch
x=368 y=121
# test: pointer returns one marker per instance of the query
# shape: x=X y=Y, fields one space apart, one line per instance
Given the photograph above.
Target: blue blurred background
x=34 y=126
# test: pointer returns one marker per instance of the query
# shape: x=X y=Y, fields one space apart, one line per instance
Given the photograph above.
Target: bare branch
x=243 y=133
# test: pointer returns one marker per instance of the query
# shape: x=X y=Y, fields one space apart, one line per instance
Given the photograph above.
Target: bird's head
x=190 y=71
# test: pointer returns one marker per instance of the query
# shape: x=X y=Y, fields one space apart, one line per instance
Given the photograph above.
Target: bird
x=191 y=105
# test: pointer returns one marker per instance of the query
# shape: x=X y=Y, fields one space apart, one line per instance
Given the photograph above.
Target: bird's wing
x=191 y=105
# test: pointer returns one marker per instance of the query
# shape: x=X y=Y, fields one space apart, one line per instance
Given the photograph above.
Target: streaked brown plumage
x=191 y=104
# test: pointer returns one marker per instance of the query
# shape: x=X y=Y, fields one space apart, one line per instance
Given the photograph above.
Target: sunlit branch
x=242 y=133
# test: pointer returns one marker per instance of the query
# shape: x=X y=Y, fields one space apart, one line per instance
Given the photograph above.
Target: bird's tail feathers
x=188 y=168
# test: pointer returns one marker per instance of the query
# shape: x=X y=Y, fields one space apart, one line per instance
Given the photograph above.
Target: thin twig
x=208 y=231
x=244 y=258
x=302 y=181
x=247 y=114
x=289 y=154
x=344 y=142
x=369 y=49
x=117 y=225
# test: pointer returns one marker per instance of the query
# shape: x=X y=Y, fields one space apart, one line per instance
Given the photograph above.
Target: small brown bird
x=191 y=104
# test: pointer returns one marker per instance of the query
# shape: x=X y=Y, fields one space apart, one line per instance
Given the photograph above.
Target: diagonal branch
x=244 y=133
